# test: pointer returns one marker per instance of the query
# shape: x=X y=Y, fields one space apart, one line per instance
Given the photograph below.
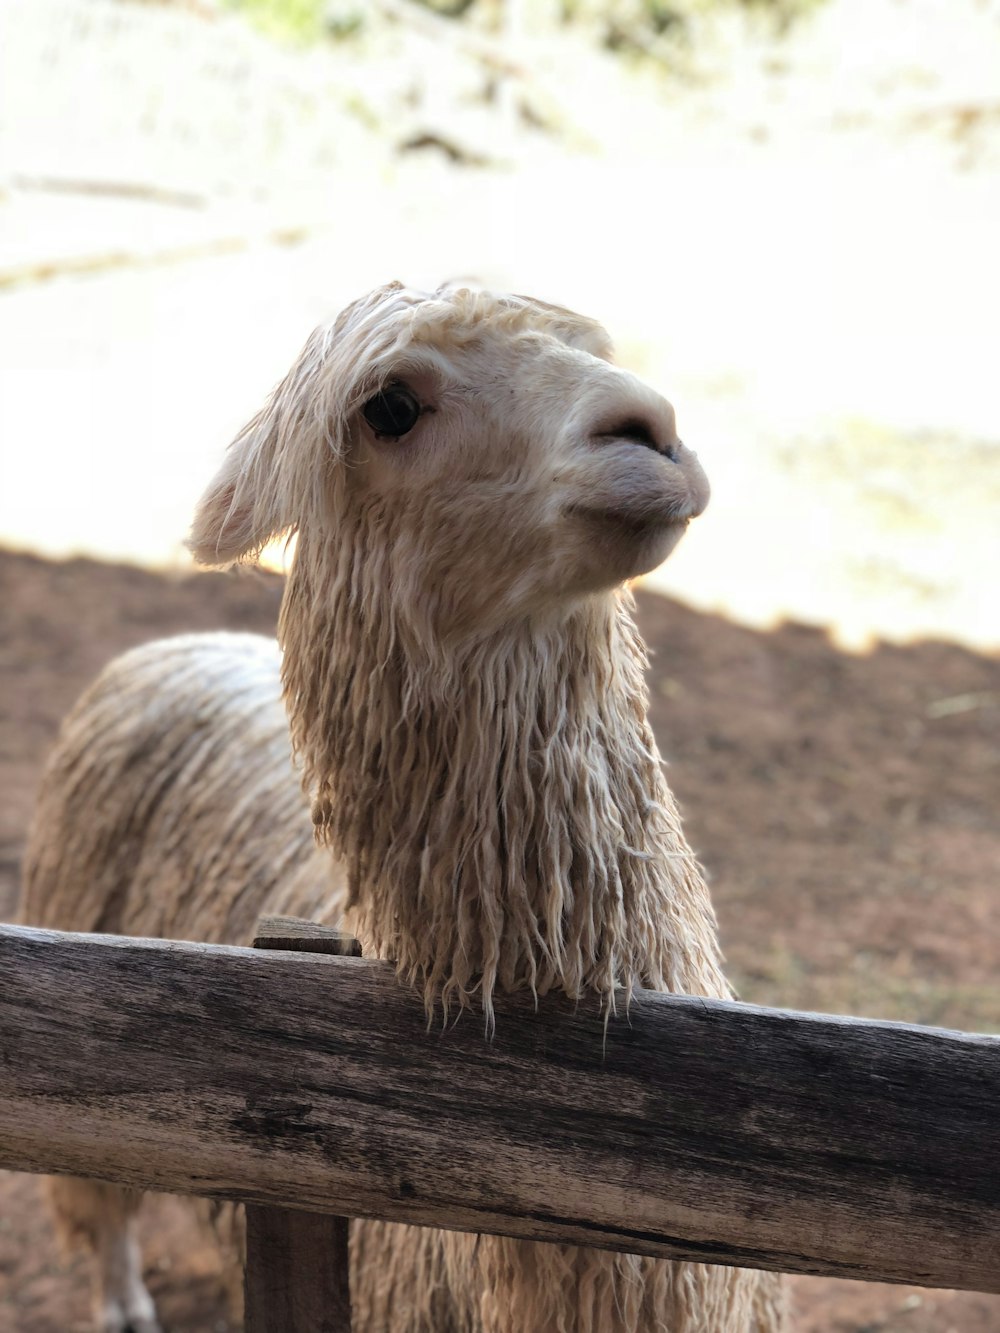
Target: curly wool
x=170 y=805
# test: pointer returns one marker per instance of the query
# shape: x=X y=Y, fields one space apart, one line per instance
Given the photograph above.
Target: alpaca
x=462 y=772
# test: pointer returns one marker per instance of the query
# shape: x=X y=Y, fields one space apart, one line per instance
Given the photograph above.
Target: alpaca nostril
x=637 y=431
x=642 y=432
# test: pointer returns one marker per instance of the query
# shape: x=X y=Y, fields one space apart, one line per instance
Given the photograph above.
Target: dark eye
x=393 y=411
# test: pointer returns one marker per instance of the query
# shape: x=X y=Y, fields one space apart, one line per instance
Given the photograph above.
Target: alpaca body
x=137 y=775
x=463 y=686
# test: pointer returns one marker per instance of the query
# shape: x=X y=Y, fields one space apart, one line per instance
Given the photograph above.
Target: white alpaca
x=471 y=482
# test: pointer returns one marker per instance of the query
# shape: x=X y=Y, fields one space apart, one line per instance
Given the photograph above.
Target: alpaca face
x=485 y=446
x=524 y=474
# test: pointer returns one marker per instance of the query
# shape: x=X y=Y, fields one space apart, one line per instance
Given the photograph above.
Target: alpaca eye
x=393 y=412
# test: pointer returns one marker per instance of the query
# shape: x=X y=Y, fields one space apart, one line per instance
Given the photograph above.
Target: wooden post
x=297 y=1276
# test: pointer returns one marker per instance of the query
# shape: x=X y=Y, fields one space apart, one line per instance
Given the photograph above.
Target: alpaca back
x=169 y=806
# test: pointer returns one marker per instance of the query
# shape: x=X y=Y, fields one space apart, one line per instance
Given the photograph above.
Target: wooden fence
x=689 y=1128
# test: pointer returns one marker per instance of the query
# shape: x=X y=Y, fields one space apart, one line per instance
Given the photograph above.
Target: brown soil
x=847 y=809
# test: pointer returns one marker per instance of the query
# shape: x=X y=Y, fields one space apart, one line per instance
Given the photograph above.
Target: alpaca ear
x=254 y=496
x=240 y=512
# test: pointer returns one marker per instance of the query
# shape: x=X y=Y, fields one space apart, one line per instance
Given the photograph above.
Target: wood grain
x=296 y=1274
x=691 y=1129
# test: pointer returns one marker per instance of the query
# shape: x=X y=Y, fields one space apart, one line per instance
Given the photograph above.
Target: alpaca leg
x=102 y=1218
x=224 y=1225
x=121 y=1302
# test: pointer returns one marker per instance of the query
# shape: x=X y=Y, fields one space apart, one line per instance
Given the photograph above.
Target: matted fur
x=464 y=683
x=517 y=832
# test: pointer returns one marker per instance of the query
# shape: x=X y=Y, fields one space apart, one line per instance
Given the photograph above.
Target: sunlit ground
x=790 y=253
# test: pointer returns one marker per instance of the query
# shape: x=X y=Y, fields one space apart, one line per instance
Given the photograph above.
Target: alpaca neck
x=503 y=815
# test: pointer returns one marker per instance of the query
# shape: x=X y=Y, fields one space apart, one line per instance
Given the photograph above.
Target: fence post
x=297 y=1271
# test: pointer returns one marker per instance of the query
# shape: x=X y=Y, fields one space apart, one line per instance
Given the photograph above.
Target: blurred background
x=787 y=213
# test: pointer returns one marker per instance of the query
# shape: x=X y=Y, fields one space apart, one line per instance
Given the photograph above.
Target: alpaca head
x=482 y=449
x=471 y=480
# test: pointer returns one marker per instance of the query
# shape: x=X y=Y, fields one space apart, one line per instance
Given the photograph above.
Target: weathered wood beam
x=690 y=1129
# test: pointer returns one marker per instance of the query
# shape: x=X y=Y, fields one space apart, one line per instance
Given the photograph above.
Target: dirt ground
x=846 y=807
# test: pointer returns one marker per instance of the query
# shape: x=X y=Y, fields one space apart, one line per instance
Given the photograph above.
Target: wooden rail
x=690 y=1129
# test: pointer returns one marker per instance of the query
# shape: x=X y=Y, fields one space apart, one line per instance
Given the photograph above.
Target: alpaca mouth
x=639 y=523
